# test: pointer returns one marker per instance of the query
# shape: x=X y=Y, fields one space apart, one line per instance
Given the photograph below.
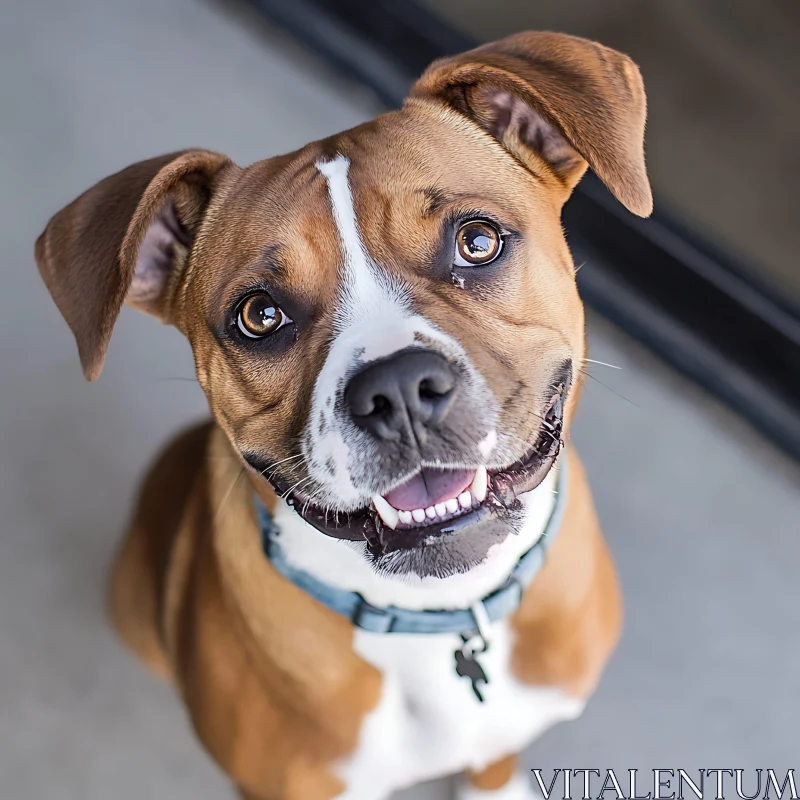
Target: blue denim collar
x=497 y=605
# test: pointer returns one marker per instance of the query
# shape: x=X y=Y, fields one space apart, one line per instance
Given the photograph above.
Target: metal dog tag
x=467 y=666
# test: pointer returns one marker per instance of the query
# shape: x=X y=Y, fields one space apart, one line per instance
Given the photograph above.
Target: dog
x=378 y=565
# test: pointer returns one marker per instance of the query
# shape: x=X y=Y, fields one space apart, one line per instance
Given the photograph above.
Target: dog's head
x=386 y=322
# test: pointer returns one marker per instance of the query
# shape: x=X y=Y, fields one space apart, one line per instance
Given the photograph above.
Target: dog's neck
x=344 y=564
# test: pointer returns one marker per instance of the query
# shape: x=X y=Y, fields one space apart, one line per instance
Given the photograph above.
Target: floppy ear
x=554 y=98
x=126 y=239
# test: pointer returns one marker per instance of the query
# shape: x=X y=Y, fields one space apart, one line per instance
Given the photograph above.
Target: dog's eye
x=477 y=243
x=259 y=316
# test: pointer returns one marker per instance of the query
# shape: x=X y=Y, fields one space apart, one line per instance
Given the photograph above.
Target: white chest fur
x=429 y=723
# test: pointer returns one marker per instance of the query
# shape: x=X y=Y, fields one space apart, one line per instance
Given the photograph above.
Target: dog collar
x=497 y=605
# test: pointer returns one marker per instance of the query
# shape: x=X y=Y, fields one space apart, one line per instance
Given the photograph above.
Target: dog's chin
x=452 y=550
x=455 y=533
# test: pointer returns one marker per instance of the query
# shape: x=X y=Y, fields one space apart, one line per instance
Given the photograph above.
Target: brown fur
x=269 y=676
x=571 y=616
x=592 y=94
x=495 y=776
x=273 y=687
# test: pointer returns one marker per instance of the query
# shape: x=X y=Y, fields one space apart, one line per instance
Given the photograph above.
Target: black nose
x=409 y=391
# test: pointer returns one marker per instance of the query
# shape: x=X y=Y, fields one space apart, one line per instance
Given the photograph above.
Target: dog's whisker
x=281 y=461
x=269 y=470
x=310 y=500
x=622 y=397
x=313 y=500
x=601 y=363
x=296 y=486
x=228 y=494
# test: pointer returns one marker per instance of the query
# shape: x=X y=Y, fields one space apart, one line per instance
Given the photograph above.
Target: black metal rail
x=687 y=301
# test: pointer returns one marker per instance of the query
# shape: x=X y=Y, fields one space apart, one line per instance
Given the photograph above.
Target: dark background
x=724 y=118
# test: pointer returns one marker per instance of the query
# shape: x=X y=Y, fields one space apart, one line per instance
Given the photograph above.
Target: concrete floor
x=701 y=514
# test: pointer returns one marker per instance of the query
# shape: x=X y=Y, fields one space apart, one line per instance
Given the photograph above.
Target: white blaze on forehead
x=373 y=318
x=366 y=291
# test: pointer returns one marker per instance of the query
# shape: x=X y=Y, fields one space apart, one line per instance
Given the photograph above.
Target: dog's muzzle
x=406 y=404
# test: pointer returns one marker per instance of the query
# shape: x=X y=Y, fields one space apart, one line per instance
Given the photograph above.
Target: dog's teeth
x=480 y=484
x=465 y=499
x=387 y=512
x=451 y=505
x=441 y=509
x=418 y=514
x=430 y=512
x=405 y=517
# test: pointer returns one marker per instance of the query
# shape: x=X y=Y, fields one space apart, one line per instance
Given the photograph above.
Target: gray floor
x=701 y=514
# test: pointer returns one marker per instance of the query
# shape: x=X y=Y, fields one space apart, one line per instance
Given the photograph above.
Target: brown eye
x=477 y=243
x=259 y=316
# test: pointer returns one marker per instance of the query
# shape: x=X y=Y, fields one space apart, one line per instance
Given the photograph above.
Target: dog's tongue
x=430 y=486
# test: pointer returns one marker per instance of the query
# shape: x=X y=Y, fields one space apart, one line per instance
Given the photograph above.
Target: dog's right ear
x=557 y=99
x=127 y=239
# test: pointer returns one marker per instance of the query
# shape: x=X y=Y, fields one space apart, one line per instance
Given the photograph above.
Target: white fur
x=372 y=313
x=428 y=722
x=366 y=290
x=373 y=319
x=487 y=445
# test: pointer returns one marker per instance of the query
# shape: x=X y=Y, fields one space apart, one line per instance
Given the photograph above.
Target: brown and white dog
x=387 y=328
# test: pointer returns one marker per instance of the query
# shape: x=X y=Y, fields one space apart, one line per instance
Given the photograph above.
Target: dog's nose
x=409 y=391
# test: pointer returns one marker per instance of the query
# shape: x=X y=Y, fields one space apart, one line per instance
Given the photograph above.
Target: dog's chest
x=429 y=721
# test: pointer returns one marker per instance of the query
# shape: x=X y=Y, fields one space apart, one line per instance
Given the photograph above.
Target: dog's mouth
x=436 y=501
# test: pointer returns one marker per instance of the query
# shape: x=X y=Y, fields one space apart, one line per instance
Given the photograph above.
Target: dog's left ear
x=557 y=99
x=126 y=240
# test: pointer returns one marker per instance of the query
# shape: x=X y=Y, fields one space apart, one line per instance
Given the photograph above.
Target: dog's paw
x=518 y=788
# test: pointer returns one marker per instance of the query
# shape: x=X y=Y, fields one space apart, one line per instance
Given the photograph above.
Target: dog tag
x=467 y=666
